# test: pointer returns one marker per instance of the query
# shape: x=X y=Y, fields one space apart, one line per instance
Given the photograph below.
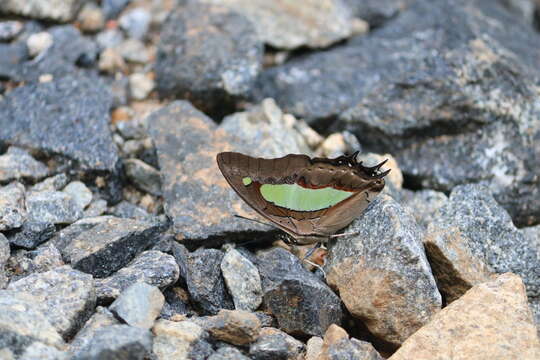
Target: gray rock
x=198 y=199
x=352 y=349
x=135 y=22
x=65 y=296
x=120 y=342
x=242 y=280
x=382 y=273
x=52 y=206
x=143 y=176
x=139 y=305
x=423 y=204
x=17 y=164
x=236 y=327
x=23 y=263
x=180 y=340
x=22 y=323
x=228 y=353
x=109 y=38
x=10 y=29
x=112 y=8
x=101 y=318
x=292 y=24
x=53 y=183
x=175 y=303
x=40 y=351
x=32 y=234
x=78 y=131
x=140 y=86
x=65 y=236
x=209 y=55
x=377 y=12
x=132 y=129
x=133 y=51
x=284 y=278
x=276 y=345
x=11 y=55
x=151 y=267
x=80 y=193
x=12 y=206
x=96 y=208
x=4 y=256
x=54 y=10
x=127 y=210
x=110 y=245
x=489 y=235
x=205 y=282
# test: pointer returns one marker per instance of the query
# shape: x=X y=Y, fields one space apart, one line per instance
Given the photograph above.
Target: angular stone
x=110 y=245
x=382 y=273
x=491 y=321
x=40 y=351
x=242 y=280
x=180 y=340
x=118 y=342
x=285 y=280
x=423 y=204
x=139 y=305
x=198 y=199
x=12 y=206
x=10 y=29
x=220 y=56
x=17 y=164
x=96 y=208
x=479 y=236
x=53 y=183
x=101 y=318
x=313 y=348
x=56 y=10
x=291 y=24
x=377 y=12
x=52 y=206
x=65 y=236
x=42 y=259
x=176 y=303
x=150 y=267
x=337 y=345
x=32 y=234
x=125 y=209
x=22 y=323
x=236 y=327
x=228 y=353
x=78 y=132
x=65 y=296
x=205 y=282
x=275 y=344
x=143 y=176
x=80 y=193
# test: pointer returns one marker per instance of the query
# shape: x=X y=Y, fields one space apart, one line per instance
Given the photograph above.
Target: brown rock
x=313 y=348
x=491 y=321
x=237 y=327
x=176 y=340
x=337 y=345
x=453 y=264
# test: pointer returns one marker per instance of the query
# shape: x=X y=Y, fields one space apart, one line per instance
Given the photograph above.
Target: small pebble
x=38 y=43
x=140 y=86
x=135 y=23
x=110 y=61
x=91 y=18
x=79 y=192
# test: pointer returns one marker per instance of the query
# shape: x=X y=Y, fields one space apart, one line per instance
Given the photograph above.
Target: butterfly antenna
x=255 y=220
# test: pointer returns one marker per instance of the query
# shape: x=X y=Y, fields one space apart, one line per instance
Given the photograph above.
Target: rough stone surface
x=180 y=340
x=290 y=24
x=4 y=256
x=17 y=164
x=80 y=193
x=176 y=299
x=275 y=344
x=65 y=236
x=228 y=353
x=55 y=207
x=53 y=183
x=22 y=323
x=32 y=234
x=237 y=327
x=101 y=318
x=12 y=206
x=143 y=176
x=377 y=12
x=313 y=348
x=197 y=198
x=117 y=342
x=65 y=296
x=56 y=10
x=139 y=305
x=127 y=210
x=10 y=29
x=480 y=235
x=205 y=282
x=110 y=245
x=382 y=273
x=295 y=296
x=23 y=263
x=208 y=54
x=423 y=204
x=243 y=280
x=40 y=351
x=491 y=321
x=150 y=267
x=337 y=345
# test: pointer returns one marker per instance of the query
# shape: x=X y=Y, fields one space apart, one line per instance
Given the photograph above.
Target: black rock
x=174 y=303
x=73 y=113
x=284 y=278
x=209 y=55
x=205 y=283
x=32 y=234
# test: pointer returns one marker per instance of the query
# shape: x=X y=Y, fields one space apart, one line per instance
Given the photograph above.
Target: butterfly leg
x=317 y=266
x=343 y=234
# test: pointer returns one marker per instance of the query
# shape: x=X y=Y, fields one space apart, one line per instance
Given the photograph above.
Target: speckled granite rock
x=12 y=206
x=275 y=344
x=207 y=54
x=242 y=279
x=56 y=10
x=382 y=273
x=32 y=234
x=491 y=321
x=55 y=207
x=23 y=263
x=295 y=296
x=65 y=296
x=40 y=351
x=180 y=340
x=17 y=164
x=150 y=267
x=101 y=318
x=423 y=204
x=236 y=327
x=337 y=345
x=143 y=176
x=290 y=24
x=139 y=305
x=80 y=193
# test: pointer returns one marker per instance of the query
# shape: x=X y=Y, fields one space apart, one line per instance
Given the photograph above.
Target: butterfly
x=308 y=198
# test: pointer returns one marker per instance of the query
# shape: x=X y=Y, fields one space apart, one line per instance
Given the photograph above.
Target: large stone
x=110 y=245
x=17 y=164
x=12 y=206
x=290 y=24
x=101 y=318
x=242 y=280
x=139 y=305
x=237 y=327
x=23 y=263
x=382 y=273
x=73 y=112
x=32 y=234
x=296 y=296
x=491 y=321
x=65 y=296
x=209 y=55
x=55 y=10
x=40 y=351
x=183 y=340
x=54 y=207
x=197 y=198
